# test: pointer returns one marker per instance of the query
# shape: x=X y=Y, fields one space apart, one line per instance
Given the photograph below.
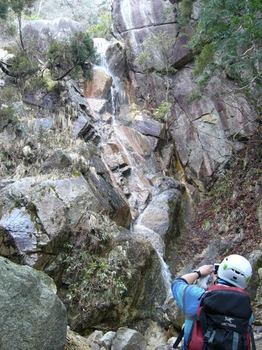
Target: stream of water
x=118 y=96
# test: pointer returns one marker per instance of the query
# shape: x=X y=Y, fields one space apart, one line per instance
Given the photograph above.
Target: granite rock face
x=100 y=85
x=143 y=25
x=208 y=129
x=39 y=33
x=37 y=215
x=205 y=129
x=74 y=9
x=32 y=316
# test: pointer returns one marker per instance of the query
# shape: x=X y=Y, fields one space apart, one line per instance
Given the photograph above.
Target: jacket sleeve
x=187 y=296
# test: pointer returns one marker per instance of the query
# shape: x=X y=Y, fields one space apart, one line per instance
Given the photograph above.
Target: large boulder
x=32 y=316
x=100 y=85
x=98 y=279
x=205 y=129
x=37 y=34
x=116 y=59
x=150 y=30
x=208 y=129
x=161 y=213
x=36 y=215
x=128 y=339
x=74 y=341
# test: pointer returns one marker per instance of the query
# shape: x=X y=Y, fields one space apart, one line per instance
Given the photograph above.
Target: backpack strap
x=222 y=287
x=235 y=341
x=252 y=339
x=179 y=338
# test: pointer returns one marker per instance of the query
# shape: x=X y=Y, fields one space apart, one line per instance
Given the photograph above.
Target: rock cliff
x=113 y=186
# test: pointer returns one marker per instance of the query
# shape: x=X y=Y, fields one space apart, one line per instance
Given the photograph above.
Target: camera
x=216 y=266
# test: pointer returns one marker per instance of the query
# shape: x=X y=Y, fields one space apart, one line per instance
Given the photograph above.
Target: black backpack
x=223 y=321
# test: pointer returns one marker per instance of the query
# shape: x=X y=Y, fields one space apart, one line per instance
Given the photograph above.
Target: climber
x=219 y=316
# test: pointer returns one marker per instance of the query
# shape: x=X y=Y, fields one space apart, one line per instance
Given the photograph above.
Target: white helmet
x=236 y=270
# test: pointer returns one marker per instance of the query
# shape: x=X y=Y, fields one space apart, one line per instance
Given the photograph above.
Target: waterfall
x=157 y=242
x=118 y=94
x=118 y=97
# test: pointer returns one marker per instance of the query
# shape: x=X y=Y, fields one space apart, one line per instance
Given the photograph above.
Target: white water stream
x=118 y=96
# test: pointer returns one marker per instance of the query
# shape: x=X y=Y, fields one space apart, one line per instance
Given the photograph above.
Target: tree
x=17 y=6
x=228 y=36
x=65 y=57
x=102 y=29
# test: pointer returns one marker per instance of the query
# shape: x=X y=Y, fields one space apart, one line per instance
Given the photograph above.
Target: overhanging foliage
x=228 y=35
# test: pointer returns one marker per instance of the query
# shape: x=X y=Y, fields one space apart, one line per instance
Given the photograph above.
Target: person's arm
x=203 y=271
x=183 y=285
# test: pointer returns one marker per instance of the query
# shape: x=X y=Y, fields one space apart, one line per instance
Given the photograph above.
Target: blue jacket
x=188 y=298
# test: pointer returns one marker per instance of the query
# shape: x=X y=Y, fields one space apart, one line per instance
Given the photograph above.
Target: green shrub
x=31 y=16
x=204 y=58
x=102 y=29
x=195 y=95
x=186 y=8
x=93 y=277
x=143 y=59
x=3 y=9
x=228 y=34
x=35 y=83
x=69 y=57
x=21 y=65
x=8 y=94
x=7 y=116
x=162 y=111
x=184 y=11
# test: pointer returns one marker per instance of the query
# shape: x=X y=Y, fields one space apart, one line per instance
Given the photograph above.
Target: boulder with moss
x=32 y=316
x=97 y=273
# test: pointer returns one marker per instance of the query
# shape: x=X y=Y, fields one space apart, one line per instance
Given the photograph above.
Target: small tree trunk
x=20 y=30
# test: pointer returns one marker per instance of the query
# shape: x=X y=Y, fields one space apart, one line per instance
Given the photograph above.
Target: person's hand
x=206 y=270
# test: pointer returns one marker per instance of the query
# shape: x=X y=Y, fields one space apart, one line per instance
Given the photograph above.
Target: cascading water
x=118 y=97
x=158 y=245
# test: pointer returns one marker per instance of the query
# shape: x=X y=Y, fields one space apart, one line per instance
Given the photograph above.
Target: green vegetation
x=22 y=65
x=95 y=273
x=96 y=276
x=7 y=116
x=63 y=57
x=160 y=43
x=184 y=12
x=156 y=55
x=17 y=6
x=70 y=57
x=8 y=29
x=9 y=94
x=102 y=29
x=162 y=111
x=31 y=16
x=228 y=36
x=195 y=95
